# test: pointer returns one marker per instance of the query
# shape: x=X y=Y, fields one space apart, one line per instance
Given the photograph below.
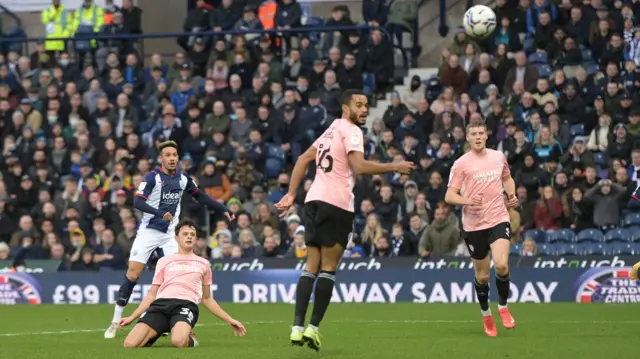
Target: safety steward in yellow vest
x=57 y=22
x=89 y=16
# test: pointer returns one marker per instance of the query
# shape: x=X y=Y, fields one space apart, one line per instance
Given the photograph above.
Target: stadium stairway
x=381 y=106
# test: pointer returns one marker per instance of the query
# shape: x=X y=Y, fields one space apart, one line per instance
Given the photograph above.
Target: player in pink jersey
x=181 y=281
x=477 y=182
x=329 y=205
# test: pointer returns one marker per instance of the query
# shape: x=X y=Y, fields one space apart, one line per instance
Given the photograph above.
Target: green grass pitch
x=350 y=331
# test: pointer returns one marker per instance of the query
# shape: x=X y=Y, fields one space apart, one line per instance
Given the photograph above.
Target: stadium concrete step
x=381 y=106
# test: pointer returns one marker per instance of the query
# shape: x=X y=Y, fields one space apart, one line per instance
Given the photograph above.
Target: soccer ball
x=479 y=21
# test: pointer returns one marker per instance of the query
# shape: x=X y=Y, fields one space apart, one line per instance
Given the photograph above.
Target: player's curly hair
x=167 y=144
x=186 y=223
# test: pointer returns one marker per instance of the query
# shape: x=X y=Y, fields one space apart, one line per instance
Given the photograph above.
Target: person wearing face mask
x=413 y=93
x=56 y=20
x=283 y=186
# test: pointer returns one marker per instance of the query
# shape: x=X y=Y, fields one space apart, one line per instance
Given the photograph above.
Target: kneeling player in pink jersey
x=329 y=208
x=477 y=182
x=181 y=281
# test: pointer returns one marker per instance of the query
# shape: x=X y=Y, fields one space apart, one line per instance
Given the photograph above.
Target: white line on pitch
x=364 y=321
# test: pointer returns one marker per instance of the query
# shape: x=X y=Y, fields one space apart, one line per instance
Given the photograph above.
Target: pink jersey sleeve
x=456 y=175
x=353 y=139
x=506 y=172
x=158 y=277
x=208 y=276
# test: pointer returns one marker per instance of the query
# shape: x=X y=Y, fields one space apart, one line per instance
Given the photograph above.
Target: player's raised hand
x=405 y=167
x=238 y=328
x=230 y=216
x=125 y=321
x=168 y=217
x=285 y=203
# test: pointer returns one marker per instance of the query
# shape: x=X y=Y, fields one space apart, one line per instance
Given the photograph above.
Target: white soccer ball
x=479 y=21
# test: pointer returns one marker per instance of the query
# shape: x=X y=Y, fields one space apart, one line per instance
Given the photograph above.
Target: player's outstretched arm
x=213 y=204
x=362 y=166
x=215 y=309
x=144 y=305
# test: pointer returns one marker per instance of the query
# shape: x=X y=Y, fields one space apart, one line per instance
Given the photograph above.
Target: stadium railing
x=22 y=42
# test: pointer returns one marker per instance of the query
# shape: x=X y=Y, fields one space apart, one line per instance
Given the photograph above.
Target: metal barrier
x=278 y=32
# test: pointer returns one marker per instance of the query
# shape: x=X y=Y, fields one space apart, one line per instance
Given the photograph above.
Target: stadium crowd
x=79 y=125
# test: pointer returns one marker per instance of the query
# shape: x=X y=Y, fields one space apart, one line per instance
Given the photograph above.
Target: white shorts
x=148 y=240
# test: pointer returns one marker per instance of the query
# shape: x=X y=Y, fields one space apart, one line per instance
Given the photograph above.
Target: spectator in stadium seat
x=506 y=35
x=599 y=137
x=577 y=212
x=537 y=8
x=548 y=213
x=214 y=182
x=531 y=176
x=606 y=198
x=250 y=247
x=5 y=251
x=529 y=248
x=288 y=16
x=454 y=75
x=372 y=231
x=440 y=238
x=413 y=93
x=375 y=12
x=469 y=60
x=82 y=260
x=522 y=72
x=108 y=253
x=613 y=52
x=350 y=74
x=121 y=112
x=380 y=60
x=620 y=143
x=546 y=147
x=459 y=44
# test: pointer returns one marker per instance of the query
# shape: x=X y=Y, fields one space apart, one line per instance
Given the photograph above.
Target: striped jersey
x=164 y=192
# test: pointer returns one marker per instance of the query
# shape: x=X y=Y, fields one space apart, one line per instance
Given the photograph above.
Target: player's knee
x=501 y=268
x=180 y=341
x=130 y=343
x=133 y=273
x=482 y=278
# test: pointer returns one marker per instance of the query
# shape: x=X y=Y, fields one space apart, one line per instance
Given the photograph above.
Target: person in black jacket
x=375 y=12
x=350 y=74
x=380 y=61
x=198 y=20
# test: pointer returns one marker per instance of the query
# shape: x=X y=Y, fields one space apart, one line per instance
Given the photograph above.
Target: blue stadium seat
x=631 y=220
x=587 y=55
x=276 y=160
x=536 y=235
x=567 y=249
x=635 y=248
x=538 y=58
x=635 y=233
x=600 y=158
x=547 y=249
x=515 y=250
x=577 y=130
x=527 y=45
x=561 y=235
x=615 y=249
x=590 y=235
x=622 y=235
x=369 y=81
x=544 y=70
x=315 y=21
x=592 y=68
x=590 y=249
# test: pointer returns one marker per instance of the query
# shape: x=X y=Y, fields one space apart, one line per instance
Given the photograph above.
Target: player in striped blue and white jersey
x=158 y=197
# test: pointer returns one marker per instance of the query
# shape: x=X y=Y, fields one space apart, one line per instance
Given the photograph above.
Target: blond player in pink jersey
x=181 y=281
x=477 y=182
x=329 y=205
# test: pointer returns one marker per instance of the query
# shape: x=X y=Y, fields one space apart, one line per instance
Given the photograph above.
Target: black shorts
x=164 y=313
x=479 y=242
x=326 y=224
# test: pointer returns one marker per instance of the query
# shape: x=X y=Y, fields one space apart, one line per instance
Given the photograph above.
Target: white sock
x=315 y=329
x=298 y=328
x=501 y=307
x=117 y=314
x=485 y=313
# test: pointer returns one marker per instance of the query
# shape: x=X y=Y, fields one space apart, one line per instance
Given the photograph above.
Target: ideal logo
x=171 y=196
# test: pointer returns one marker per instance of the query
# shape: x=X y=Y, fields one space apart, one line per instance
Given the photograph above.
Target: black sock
x=324 y=290
x=303 y=294
x=482 y=292
x=502 y=284
x=191 y=342
x=124 y=293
